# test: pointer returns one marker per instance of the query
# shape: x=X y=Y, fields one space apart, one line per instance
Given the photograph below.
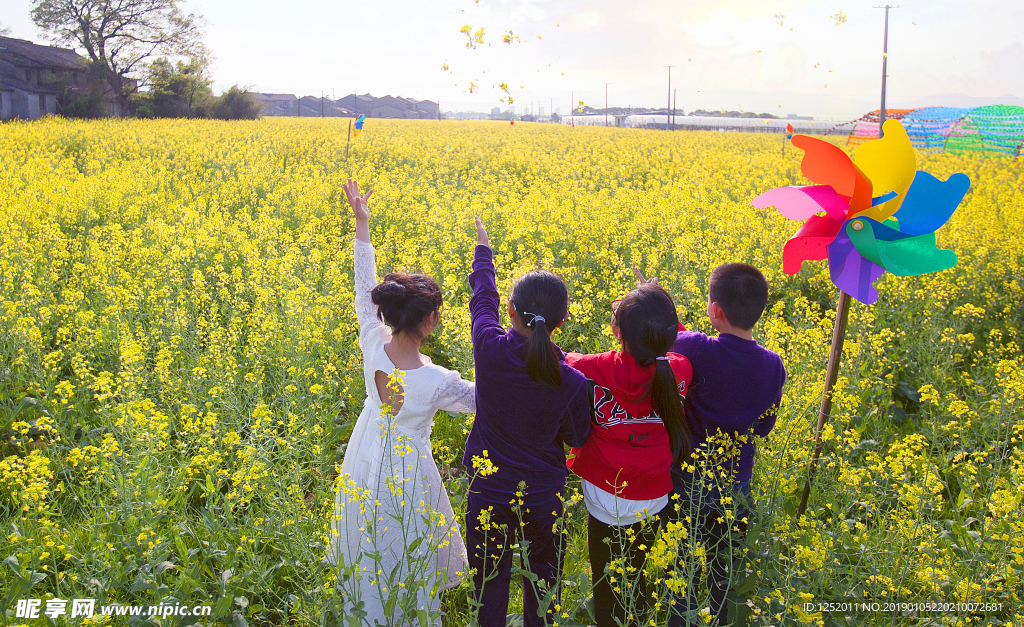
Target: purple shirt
x=522 y=424
x=736 y=388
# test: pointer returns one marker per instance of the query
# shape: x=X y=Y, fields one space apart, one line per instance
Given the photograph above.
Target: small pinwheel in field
x=874 y=214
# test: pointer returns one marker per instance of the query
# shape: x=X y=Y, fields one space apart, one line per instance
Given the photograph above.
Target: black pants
x=490 y=553
x=620 y=546
x=701 y=502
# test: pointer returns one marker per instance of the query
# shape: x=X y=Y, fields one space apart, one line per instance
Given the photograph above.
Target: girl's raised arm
x=483 y=307
x=363 y=262
x=359 y=209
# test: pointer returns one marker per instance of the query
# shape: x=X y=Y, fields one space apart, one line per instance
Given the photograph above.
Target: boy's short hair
x=741 y=291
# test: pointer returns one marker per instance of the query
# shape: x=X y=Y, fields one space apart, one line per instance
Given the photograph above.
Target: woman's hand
x=481 y=234
x=359 y=209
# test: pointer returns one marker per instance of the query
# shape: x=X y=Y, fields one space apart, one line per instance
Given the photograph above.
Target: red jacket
x=628 y=452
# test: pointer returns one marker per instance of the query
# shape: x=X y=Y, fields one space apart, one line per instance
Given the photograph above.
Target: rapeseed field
x=179 y=370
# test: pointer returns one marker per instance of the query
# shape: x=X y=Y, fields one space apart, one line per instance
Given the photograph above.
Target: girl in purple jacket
x=530 y=404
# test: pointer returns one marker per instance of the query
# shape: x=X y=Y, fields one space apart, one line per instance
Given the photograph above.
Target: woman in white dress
x=395 y=541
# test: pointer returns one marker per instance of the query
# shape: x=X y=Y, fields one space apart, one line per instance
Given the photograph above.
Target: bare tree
x=4 y=31
x=119 y=35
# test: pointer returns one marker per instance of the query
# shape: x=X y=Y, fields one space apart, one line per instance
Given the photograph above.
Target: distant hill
x=961 y=100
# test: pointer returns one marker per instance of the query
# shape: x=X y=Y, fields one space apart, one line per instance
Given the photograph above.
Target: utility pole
x=606 y=104
x=674 y=109
x=669 y=105
x=572 y=108
x=885 y=57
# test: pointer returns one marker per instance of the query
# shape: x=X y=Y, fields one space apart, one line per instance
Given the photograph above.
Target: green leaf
x=423 y=617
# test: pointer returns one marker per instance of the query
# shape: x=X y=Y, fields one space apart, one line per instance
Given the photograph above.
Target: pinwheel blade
x=802 y=202
x=899 y=253
x=809 y=243
x=851 y=272
x=826 y=164
x=890 y=164
x=930 y=202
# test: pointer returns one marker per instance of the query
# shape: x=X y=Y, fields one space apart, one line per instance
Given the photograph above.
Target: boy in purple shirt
x=734 y=396
x=530 y=403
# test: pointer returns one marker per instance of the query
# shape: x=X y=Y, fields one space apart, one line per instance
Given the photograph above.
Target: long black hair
x=648 y=322
x=405 y=300
x=541 y=294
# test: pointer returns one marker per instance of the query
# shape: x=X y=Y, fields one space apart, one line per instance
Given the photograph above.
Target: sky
x=782 y=57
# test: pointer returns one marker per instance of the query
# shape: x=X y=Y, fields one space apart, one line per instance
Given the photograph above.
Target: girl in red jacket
x=638 y=432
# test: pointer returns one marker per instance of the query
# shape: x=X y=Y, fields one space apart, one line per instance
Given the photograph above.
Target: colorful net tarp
x=995 y=129
x=866 y=127
x=929 y=127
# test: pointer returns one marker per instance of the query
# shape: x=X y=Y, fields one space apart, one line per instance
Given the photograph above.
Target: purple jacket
x=522 y=424
x=736 y=388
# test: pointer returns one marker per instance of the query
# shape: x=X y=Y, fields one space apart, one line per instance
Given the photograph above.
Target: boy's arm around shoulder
x=766 y=422
x=688 y=343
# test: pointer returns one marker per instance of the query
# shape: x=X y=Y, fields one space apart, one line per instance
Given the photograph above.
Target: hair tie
x=536 y=318
x=662 y=358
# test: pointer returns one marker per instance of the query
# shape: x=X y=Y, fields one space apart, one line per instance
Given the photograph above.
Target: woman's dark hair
x=541 y=293
x=405 y=300
x=648 y=322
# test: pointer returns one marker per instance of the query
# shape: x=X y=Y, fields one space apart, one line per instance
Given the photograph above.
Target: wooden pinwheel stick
x=349 y=139
x=831 y=374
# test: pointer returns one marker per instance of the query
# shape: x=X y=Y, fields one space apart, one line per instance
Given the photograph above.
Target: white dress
x=394 y=530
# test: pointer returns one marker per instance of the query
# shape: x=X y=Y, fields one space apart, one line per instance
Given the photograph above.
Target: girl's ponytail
x=668 y=403
x=648 y=322
x=541 y=301
x=541 y=354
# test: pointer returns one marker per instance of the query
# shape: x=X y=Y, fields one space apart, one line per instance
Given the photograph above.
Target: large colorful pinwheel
x=880 y=212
